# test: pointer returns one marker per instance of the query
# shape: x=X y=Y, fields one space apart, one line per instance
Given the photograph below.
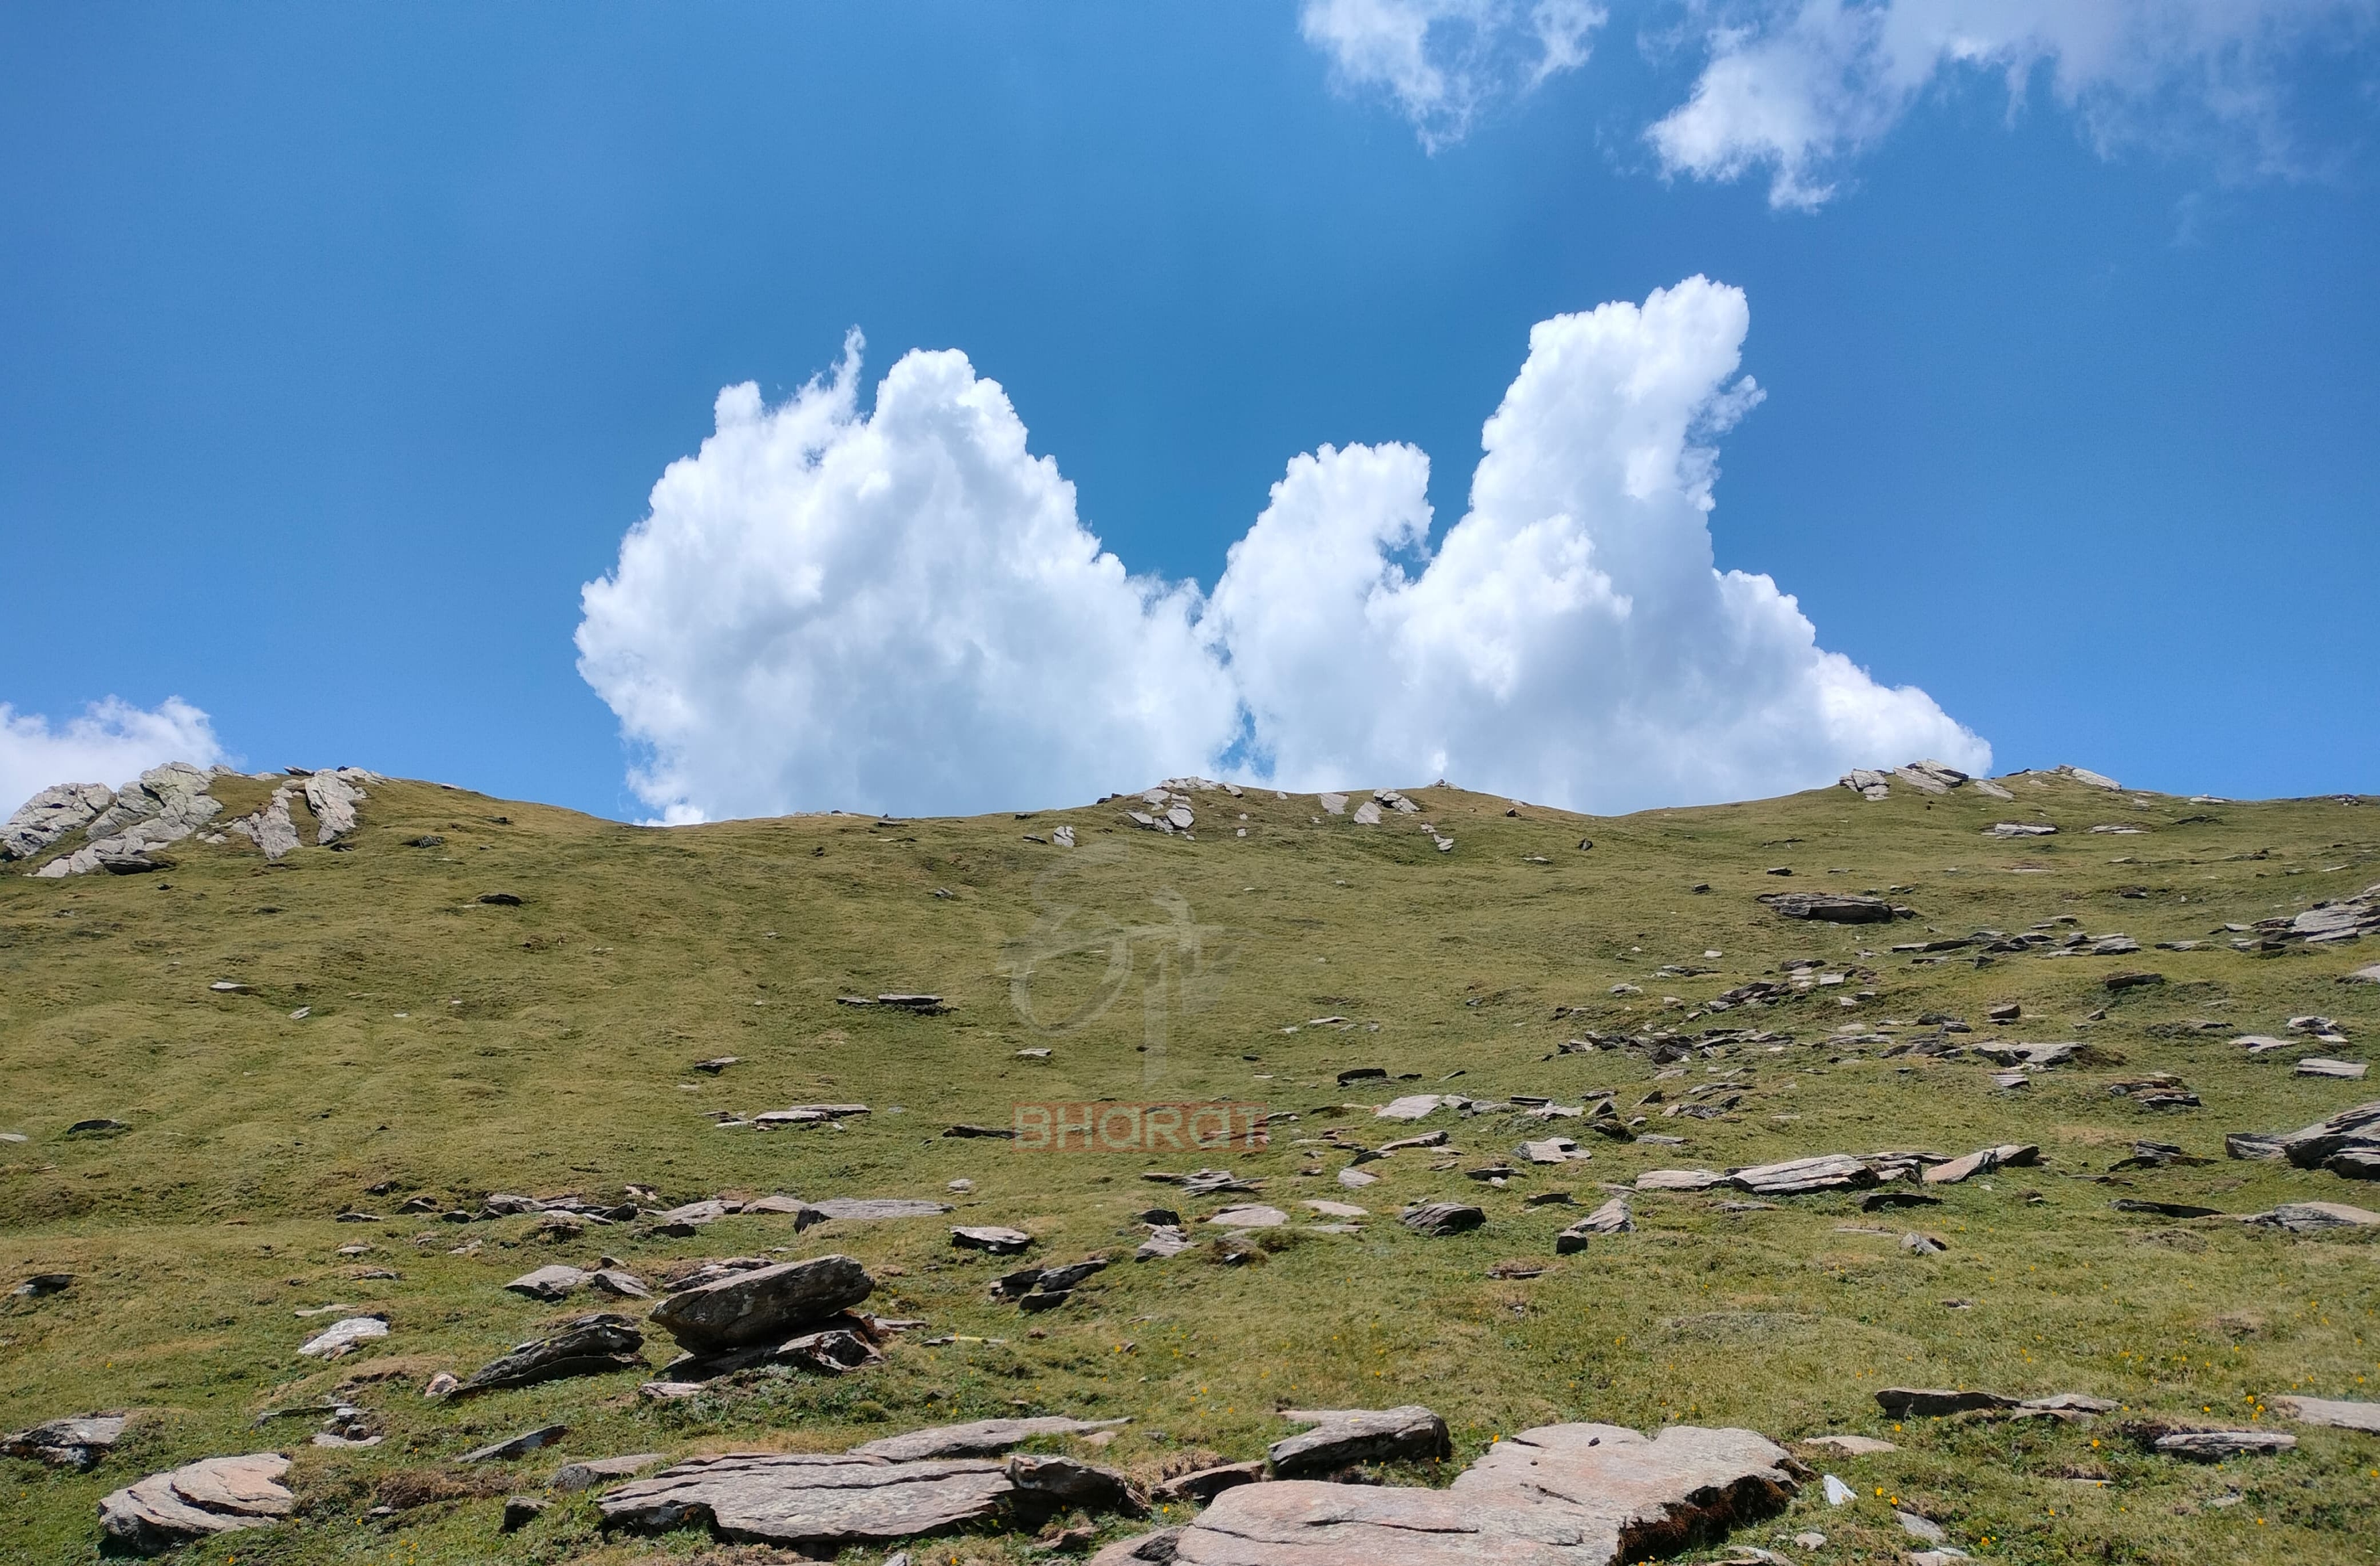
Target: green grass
x=458 y=1048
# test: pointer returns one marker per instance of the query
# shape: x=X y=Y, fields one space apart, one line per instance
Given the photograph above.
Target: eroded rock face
x=164 y=805
x=50 y=814
x=762 y=1304
x=216 y=1495
x=1562 y=1495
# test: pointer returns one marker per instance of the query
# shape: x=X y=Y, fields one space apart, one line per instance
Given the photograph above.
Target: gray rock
x=1985 y=786
x=1563 y=1494
x=1343 y=1436
x=549 y=1283
x=520 y=1510
x=572 y=1477
x=2308 y=1218
x=1063 y=837
x=1045 y=1484
x=762 y=1304
x=1368 y=814
x=982 y=1437
x=2084 y=775
x=1441 y=1217
x=1206 y=1484
x=2012 y=1155
x=618 y=1282
x=2214 y=1446
x=1828 y=1171
x=2362 y=975
x=815 y=1504
x=584 y=1345
x=333 y=796
x=1867 y=782
x=270 y=828
x=1830 y=907
x=2355 y=1130
x=1679 y=1180
x=2333 y=1414
x=216 y=1495
x=991 y=1237
x=2256 y=1144
x=1849 y=1446
x=1254 y=1215
x=2316 y=1065
x=1919 y=1527
x=50 y=815
x=517 y=1446
x=1146 y=1549
x=1612 y=1217
x=1333 y=804
x=78 y=1441
x=1164 y=1240
x=865 y=1209
x=2020 y=828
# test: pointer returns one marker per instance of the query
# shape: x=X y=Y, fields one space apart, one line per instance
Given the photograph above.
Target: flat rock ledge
x=1343 y=1437
x=1559 y=1495
x=820 y=1504
x=216 y=1495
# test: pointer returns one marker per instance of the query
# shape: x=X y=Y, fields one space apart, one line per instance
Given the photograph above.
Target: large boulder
x=50 y=815
x=216 y=1495
x=1562 y=1495
x=764 y=1305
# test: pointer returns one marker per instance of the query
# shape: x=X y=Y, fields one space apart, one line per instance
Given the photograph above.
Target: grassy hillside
x=453 y=1048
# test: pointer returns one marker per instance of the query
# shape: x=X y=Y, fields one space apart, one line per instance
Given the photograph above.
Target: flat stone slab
x=1413 y=1106
x=572 y=1477
x=1679 y=1180
x=517 y=1446
x=983 y=1438
x=549 y=1283
x=2335 y=1414
x=867 y=1209
x=1343 y=1435
x=216 y=1495
x=2305 y=1218
x=764 y=1304
x=813 y=1503
x=584 y=1345
x=1849 y=1446
x=986 y=1237
x=1560 y=1495
x=1441 y=1217
x=1796 y=1177
x=2213 y=1446
x=78 y=1441
x=1254 y=1215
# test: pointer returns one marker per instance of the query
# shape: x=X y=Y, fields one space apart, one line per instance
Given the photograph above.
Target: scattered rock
x=1206 y=1484
x=2013 y=1154
x=1612 y=1217
x=1919 y=1527
x=1254 y=1215
x=584 y=1345
x=2335 y=1415
x=1828 y=1171
x=549 y=1283
x=2316 y=1065
x=2307 y=1218
x=982 y=1437
x=1441 y=1217
x=865 y=1209
x=520 y=1510
x=762 y=1304
x=572 y=1477
x=1830 y=907
x=1849 y=1446
x=2349 y=1131
x=714 y=1066
x=216 y=1495
x=2122 y=981
x=1164 y=1240
x=1679 y=1180
x=517 y=1446
x=2020 y=828
x=1341 y=1438
x=78 y=1441
x=2214 y=1446
x=340 y=1336
x=986 y=1237
x=1583 y=1495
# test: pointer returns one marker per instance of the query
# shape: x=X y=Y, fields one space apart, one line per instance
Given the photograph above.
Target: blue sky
x=340 y=346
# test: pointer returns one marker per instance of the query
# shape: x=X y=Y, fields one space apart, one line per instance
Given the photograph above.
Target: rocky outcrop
x=1560 y=1495
x=982 y=1437
x=1830 y=907
x=164 y=805
x=50 y=815
x=2345 y=1143
x=216 y=1495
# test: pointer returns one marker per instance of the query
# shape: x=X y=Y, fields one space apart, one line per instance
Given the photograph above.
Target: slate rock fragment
x=1341 y=1438
x=216 y=1495
x=584 y=1345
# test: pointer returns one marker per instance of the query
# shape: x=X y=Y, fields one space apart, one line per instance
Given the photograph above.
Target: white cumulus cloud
x=111 y=742
x=1440 y=60
x=1796 y=89
x=895 y=611
x=900 y=609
